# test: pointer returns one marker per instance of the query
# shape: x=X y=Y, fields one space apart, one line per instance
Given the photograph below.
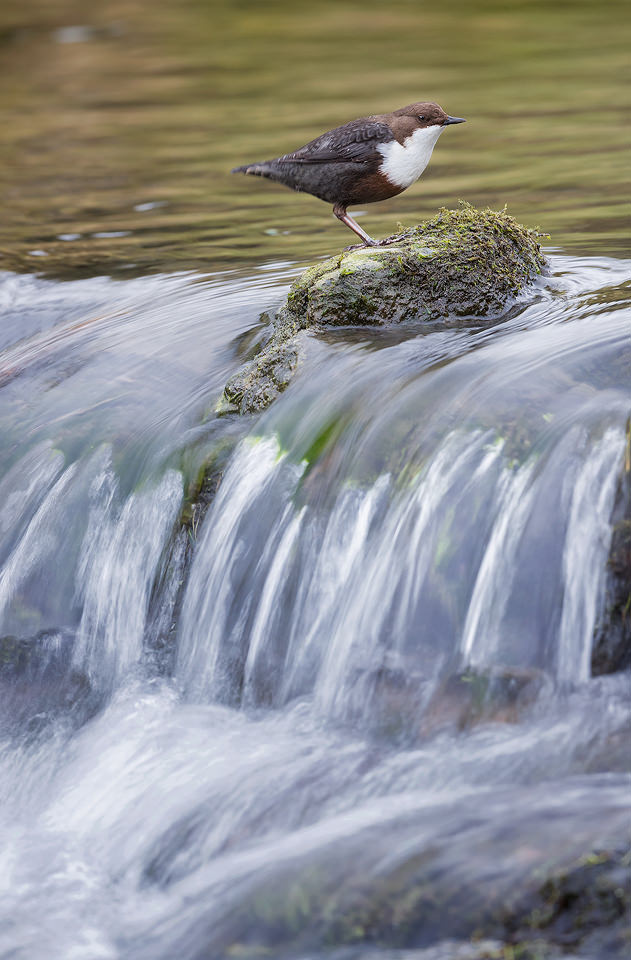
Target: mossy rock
x=255 y=385
x=463 y=264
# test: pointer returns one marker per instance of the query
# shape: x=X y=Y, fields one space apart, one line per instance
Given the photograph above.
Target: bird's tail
x=255 y=169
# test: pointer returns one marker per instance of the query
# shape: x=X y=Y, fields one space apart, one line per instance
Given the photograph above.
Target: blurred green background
x=122 y=119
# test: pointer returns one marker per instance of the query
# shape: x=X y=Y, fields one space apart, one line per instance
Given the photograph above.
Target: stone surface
x=463 y=264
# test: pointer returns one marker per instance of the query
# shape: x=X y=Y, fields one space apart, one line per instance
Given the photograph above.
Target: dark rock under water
x=612 y=643
x=39 y=683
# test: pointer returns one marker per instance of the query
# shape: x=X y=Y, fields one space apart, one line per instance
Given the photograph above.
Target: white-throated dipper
x=363 y=161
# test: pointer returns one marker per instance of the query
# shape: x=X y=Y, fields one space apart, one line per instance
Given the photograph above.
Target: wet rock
x=465 y=263
x=587 y=907
x=611 y=650
x=450 y=950
x=167 y=594
x=38 y=683
x=581 y=911
x=403 y=706
x=261 y=381
x=387 y=697
x=499 y=694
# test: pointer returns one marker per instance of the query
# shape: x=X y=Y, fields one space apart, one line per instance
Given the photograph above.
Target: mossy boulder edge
x=462 y=264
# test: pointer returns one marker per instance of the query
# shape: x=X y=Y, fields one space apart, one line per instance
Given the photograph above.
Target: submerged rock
x=611 y=650
x=586 y=907
x=39 y=683
x=466 y=264
x=408 y=707
x=499 y=694
x=404 y=911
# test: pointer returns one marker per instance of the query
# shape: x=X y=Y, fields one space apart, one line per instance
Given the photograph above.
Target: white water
x=254 y=771
x=586 y=543
x=117 y=567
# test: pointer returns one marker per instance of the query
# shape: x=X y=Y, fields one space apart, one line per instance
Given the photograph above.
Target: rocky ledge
x=464 y=264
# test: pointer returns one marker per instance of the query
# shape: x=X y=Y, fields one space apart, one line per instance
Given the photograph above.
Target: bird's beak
x=453 y=120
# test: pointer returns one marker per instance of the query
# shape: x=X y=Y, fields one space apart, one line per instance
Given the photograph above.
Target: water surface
x=177 y=745
x=123 y=120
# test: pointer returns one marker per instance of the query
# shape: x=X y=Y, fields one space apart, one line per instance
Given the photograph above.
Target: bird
x=363 y=161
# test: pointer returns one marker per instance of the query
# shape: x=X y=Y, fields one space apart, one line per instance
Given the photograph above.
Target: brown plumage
x=364 y=161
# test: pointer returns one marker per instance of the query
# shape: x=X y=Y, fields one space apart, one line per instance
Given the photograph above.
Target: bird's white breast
x=403 y=163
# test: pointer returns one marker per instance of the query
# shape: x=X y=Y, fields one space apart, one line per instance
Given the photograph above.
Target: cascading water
x=117 y=567
x=311 y=577
x=373 y=718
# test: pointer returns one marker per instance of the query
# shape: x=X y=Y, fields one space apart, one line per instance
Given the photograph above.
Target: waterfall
x=416 y=578
x=117 y=567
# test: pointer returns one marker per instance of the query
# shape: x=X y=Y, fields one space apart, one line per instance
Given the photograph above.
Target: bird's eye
x=422 y=117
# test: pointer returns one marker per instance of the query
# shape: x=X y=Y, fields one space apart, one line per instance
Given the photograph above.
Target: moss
x=464 y=263
x=325 y=437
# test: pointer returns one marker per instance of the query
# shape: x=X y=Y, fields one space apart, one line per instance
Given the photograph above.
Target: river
x=345 y=710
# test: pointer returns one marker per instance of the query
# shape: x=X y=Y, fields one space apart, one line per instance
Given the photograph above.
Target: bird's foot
x=360 y=246
x=394 y=238
x=386 y=242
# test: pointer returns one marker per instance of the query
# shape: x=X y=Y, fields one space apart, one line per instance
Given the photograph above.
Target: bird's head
x=426 y=114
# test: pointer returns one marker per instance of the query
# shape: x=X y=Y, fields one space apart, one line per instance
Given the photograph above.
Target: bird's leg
x=340 y=212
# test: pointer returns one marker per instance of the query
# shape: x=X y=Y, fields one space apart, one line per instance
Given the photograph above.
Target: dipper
x=363 y=161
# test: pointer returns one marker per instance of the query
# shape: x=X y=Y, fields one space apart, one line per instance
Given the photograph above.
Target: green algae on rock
x=464 y=264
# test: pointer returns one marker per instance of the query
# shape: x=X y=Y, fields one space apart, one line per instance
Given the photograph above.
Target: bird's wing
x=355 y=142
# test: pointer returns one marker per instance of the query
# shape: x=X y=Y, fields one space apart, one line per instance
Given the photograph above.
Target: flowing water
x=348 y=707
x=415 y=505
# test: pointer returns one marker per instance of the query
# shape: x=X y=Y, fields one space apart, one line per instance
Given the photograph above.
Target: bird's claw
x=386 y=242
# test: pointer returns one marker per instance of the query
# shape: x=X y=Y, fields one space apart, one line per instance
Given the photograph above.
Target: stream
x=227 y=739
